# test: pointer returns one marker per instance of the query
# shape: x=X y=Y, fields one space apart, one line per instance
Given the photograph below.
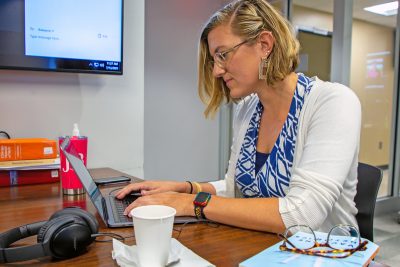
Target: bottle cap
x=75 y=131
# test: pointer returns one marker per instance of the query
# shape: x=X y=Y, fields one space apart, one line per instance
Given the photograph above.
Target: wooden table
x=222 y=245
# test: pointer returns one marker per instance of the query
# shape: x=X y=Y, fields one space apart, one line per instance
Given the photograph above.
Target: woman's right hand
x=154 y=187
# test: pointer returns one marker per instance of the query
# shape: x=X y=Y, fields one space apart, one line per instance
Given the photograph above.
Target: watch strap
x=199 y=209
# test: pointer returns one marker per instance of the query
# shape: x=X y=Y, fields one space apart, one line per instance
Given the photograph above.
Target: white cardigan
x=324 y=173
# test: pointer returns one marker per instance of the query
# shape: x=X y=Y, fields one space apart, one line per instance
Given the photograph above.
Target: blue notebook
x=273 y=256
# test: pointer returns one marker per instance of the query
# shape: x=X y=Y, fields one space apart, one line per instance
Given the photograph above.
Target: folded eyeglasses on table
x=342 y=241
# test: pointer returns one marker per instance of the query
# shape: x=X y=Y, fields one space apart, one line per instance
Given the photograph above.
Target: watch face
x=202 y=199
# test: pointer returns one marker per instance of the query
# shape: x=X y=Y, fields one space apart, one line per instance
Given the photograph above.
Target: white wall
x=108 y=109
x=180 y=144
x=148 y=122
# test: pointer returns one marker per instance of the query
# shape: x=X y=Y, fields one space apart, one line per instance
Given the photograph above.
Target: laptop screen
x=90 y=186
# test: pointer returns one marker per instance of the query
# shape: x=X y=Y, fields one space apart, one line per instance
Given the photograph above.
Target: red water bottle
x=71 y=185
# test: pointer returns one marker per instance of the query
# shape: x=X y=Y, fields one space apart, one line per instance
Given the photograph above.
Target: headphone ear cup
x=43 y=230
x=88 y=217
x=65 y=236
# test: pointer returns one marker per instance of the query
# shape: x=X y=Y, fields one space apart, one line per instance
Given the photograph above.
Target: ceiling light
x=387 y=9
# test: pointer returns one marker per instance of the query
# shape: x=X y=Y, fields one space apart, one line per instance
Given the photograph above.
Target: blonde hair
x=247 y=19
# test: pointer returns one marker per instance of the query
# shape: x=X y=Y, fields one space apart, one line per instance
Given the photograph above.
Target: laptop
x=110 y=208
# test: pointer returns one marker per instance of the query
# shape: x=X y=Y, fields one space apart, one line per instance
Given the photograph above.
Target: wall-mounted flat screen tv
x=62 y=35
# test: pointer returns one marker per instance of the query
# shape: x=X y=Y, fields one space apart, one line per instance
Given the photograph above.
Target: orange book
x=27 y=148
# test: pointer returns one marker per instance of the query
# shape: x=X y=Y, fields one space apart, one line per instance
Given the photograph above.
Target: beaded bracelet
x=191 y=187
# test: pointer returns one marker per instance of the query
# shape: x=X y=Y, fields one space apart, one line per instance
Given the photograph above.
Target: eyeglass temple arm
x=363 y=245
x=287 y=240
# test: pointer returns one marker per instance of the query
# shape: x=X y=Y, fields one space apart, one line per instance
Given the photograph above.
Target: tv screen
x=62 y=35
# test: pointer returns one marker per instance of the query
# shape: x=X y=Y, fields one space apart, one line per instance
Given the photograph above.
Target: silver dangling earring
x=263 y=67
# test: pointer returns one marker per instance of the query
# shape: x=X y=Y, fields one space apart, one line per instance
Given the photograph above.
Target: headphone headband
x=20 y=253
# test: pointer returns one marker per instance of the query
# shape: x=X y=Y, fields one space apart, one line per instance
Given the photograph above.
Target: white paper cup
x=153 y=231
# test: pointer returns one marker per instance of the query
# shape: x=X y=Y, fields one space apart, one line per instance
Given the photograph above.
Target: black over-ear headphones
x=66 y=234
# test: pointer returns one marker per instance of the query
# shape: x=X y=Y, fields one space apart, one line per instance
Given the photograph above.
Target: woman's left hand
x=183 y=203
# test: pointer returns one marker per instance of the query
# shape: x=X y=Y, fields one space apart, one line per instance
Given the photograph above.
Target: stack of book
x=28 y=161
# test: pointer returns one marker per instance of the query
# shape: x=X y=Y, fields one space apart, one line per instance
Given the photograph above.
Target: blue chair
x=369 y=180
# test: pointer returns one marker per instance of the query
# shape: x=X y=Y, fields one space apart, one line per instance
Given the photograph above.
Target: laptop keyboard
x=120 y=206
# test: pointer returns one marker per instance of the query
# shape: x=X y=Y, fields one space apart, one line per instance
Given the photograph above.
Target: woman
x=296 y=139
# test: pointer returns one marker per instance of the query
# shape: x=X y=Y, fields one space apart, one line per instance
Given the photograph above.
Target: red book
x=21 y=177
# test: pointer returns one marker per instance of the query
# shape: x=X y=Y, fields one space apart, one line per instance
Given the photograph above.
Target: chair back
x=369 y=180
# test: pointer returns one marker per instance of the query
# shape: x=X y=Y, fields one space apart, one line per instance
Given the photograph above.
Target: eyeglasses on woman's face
x=341 y=241
x=220 y=58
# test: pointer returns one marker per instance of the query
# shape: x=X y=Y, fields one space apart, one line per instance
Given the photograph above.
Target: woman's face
x=240 y=68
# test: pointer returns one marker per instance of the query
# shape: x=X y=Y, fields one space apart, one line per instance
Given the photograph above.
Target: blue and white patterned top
x=274 y=176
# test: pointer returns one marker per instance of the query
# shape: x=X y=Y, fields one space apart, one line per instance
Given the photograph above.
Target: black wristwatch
x=200 y=202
